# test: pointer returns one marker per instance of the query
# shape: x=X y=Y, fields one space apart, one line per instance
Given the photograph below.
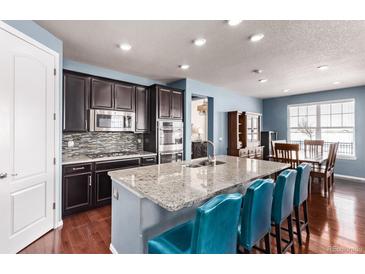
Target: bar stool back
x=282 y=208
x=256 y=215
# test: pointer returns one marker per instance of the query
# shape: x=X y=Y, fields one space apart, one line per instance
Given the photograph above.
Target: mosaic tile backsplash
x=96 y=142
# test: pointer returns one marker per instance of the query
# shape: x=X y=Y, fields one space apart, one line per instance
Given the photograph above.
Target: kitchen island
x=149 y=200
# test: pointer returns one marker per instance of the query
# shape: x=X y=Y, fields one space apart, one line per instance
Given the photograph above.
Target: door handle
x=3 y=175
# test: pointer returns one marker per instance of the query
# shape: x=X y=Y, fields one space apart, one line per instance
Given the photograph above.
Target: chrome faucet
x=211 y=158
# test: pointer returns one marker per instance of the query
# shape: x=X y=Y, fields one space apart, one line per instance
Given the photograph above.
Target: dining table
x=314 y=159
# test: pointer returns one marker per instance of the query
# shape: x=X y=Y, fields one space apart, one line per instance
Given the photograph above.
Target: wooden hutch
x=244 y=134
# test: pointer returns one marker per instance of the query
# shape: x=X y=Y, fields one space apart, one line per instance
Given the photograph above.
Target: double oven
x=170 y=141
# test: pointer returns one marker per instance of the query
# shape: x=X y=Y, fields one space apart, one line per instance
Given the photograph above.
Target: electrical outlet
x=139 y=141
x=70 y=144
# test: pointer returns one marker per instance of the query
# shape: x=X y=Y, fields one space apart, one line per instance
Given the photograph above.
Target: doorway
x=200 y=125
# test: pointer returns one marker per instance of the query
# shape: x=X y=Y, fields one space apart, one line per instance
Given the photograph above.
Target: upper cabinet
x=164 y=105
x=112 y=95
x=176 y=105
x=76 y=90
x=102 y=94
x=169 y=103
x=124 y=97
x=142 y=109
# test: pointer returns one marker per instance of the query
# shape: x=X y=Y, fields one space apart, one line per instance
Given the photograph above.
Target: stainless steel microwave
x=110 y=120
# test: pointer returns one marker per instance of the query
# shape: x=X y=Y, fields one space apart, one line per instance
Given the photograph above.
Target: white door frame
x=57 y=217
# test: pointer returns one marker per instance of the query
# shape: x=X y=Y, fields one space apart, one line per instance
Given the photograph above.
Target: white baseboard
x=112 y=249
x=352 y=178
x=59 y=224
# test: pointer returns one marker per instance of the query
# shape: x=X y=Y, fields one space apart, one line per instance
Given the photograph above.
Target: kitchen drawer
x=151 y=160
x=78 y=168
x=117 y=164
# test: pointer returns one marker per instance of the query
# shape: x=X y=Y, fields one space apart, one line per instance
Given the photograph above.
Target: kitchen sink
x=204 y=163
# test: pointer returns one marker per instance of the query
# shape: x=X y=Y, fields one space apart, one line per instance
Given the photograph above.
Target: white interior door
x=27 y=87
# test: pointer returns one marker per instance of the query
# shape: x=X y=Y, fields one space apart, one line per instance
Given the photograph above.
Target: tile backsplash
x=95 y=142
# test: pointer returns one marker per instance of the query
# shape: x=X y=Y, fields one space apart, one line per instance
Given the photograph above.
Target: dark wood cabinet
x=142 y=109
x=102 y=94
x=124 y=97
x=244 y=133
x=164 y=103
x=176 y=105
x=103 y=188
x=76 y=90
x=170 y=103
x=103 y=183
x=85 y=186
x=76 y=189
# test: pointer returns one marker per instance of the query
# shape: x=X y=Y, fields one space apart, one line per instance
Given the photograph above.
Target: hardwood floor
x=337 y=225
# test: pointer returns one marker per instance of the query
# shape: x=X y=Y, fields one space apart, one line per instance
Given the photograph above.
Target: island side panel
x=136 y=219
x=126 y=221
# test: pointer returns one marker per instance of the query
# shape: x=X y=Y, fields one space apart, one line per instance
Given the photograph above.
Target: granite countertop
x=174 y=186
x=85 y=159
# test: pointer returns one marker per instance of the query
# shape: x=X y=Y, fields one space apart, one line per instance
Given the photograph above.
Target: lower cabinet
x=76 y=188
x=85 y=186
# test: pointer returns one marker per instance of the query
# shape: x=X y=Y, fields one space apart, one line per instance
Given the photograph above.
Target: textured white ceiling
x=288 y=54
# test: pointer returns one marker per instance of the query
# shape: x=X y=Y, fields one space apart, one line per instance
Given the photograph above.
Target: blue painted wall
x=107 y=73
x=275 y=118
x=223 y=101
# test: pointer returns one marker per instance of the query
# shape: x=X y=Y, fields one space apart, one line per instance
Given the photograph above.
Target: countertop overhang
x=174 y=186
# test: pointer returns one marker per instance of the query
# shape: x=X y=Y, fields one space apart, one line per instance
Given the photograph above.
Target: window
x=329 y=121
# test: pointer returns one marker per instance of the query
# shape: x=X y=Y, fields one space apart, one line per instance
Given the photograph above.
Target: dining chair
x=282 y=208
x=300 y=199
x=326 y=173
x=214 y=230
x=255 y=221
x=334 y=163
x=313 y=148
x=287 y=153
x=273 y=143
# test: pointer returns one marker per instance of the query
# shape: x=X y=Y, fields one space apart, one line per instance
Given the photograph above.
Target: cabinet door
x=103 y=188
x=124 y=97
x=102 y=94
x=75 y=102
x=76 y=193
x=176 y=105
x=164 y=96
x=142 y=109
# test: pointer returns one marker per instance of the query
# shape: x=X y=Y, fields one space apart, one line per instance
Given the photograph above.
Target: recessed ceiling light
x=258 y=71
x=256 y=37
x=199 y=42
x=263 y=80
x=184 y=67
x=125 y=46
x=337 y=83
x=286 y=90
x=324 y=67
x=234 y=23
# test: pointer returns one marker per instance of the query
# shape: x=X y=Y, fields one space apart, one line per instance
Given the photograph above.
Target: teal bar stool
x=214 y=230
x=300 y=199
x=256 y=216
x=282 y=208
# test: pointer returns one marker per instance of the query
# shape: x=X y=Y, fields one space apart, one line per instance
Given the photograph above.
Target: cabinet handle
x=78 y=168
x=85 y=124
x=90 y=180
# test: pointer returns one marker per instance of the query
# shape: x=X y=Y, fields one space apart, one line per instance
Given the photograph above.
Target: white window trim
x=341 y=157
